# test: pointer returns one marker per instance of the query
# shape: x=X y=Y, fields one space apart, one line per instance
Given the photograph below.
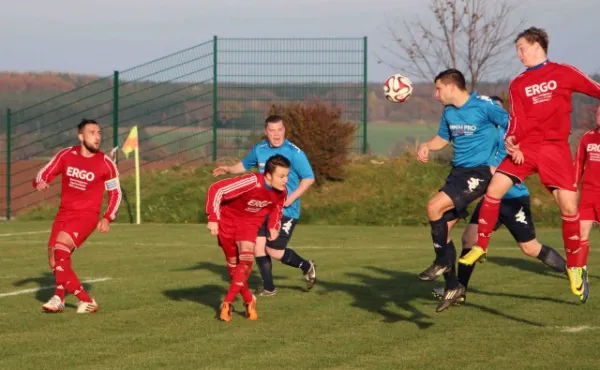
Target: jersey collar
x=538 y=66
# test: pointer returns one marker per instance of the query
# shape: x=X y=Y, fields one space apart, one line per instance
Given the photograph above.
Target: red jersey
x=540 y=101
x=245 y=199
x=587 y=161
x=84 y=180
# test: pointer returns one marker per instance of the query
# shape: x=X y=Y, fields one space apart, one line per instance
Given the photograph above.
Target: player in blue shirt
x=515 y=214
x=301 y=177
x=470 y=122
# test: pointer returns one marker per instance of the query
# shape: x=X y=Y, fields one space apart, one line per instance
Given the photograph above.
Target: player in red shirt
x=538 y=141
x=86 y=174
x=587 y=173
x=236 y=210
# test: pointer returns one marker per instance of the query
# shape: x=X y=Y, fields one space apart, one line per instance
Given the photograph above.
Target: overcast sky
x=99 y=36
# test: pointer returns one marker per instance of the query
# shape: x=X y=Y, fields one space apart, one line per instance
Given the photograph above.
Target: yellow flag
x=131 y=143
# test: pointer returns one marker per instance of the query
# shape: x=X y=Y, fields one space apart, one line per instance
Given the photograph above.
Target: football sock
x=291 y=258
x=571 y=240
x=62 y=260
x=439 y=235
x=488 y=217
x=585 y=250
x=240 y=275
x=450 y=276
x=65 y=276
x=550 y=257
x=265 y=266
x=464 y=271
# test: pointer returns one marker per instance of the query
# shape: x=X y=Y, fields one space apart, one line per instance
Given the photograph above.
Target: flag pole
x=137 y=186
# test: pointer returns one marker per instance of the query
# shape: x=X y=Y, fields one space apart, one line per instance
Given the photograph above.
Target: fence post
x=8 y=161
x=116 y=111
x=215 y=98
x=365 y=96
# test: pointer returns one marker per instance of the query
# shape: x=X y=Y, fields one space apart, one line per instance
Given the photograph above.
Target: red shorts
x=552 y=160
x=238 y=231
x=78 y=226
x=589 y=206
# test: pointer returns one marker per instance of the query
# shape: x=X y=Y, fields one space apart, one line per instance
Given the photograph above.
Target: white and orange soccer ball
x=397 y=88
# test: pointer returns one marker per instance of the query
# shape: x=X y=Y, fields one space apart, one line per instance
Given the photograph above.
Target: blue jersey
x=517 y=190
x=299 y=170
x=473 y=130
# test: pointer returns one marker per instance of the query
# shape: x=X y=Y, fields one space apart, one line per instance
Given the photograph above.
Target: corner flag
x=131 y=145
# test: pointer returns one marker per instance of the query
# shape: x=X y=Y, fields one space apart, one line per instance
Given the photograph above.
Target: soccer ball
x=397 y=88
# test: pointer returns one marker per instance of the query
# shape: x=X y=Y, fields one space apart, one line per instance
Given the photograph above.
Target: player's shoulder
x=590 y=134
x=263 y=144
x=484 y=100
x=291 y=147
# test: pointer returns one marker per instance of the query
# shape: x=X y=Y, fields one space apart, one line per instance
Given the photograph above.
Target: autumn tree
x=473 y=36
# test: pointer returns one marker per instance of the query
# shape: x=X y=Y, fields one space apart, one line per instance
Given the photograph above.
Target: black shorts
x=285 y=232
x=515 y=214
x=465 y=185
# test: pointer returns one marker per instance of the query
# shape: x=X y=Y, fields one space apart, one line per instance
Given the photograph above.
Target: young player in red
x=236 y=209
x=587 y=173
x=537 y=140
x=86 y=174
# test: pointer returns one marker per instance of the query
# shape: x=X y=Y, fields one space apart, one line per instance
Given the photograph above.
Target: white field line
x=25 y=291
x=26 y=233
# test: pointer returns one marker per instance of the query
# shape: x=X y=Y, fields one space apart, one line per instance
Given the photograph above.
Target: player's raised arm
x=113 y=187
x=50 y=170
x=226 y=190
x=581 y=83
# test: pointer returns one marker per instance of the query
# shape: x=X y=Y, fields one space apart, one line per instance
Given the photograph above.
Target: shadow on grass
x=46 y=285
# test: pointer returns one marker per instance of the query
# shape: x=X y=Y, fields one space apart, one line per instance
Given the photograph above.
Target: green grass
x=367 y=311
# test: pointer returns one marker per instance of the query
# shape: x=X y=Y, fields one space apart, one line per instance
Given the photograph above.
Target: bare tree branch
x=474 y=36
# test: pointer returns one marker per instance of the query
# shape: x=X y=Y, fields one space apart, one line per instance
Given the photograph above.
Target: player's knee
x=275 y=253
x=433 y=207
x=532 y=249
x=64 y=239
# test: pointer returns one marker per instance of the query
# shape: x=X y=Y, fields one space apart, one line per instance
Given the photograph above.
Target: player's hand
x=274 y=233
x=103 y=226
x=213 y=227
x=518 y=157
x=51 y=258
x=423 y=153
x=42 y=185
x=221 y=170
x=510 y=146
x=288 y=202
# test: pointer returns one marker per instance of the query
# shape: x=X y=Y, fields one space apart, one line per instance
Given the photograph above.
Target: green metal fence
x=193 y=106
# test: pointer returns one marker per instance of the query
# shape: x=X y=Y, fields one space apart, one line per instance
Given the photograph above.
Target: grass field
x=163 y=284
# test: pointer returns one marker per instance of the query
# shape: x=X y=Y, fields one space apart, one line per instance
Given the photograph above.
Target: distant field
x=384 y=137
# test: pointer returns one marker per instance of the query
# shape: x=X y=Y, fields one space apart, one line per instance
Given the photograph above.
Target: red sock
x=62 y=264
x=65 y=276
x=245 y=291
x=488 y=217
x=571 y=239
x=585 y=251
x=240 y=275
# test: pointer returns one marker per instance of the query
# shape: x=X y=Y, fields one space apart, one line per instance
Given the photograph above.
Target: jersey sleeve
x=52 y=168
x=517 y=114
x=581 y=83
x=277 y=213
x=497 y=115
x=226 y=190
x=250 y=160
x=113 y=187
x=580 y=155
x=443 y=130
x=302 y=166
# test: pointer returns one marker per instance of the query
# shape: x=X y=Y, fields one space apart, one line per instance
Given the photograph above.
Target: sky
x=97 y=37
